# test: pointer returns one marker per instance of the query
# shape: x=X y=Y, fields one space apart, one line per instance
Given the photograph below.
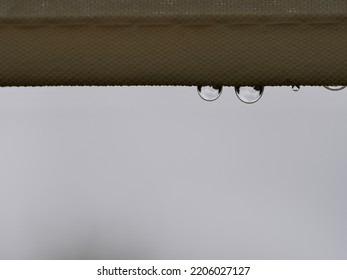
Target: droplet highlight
x=209 y=93
x=335 y=88
x=249 y=95
x=296 y=88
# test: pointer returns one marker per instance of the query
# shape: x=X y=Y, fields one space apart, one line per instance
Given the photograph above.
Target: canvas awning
x=173 y=42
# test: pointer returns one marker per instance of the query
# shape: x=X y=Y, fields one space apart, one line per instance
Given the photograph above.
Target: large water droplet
x=296 y=88
x=249 y=95
x=335 y=88
x=209 y=93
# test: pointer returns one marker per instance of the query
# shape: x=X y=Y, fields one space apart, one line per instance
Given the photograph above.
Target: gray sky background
x=157 y=173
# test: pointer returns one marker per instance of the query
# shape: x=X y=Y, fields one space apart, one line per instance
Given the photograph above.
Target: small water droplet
x=335 y=88
x=249 y=95
x=296 y=88
x=209 y=93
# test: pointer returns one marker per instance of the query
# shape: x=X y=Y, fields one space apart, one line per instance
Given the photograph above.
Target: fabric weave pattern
x=173 y=42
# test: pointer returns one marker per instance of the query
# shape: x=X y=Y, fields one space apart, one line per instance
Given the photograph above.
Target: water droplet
x=249 y=95
x=209 y=93
x=296 y=88
x=335 y=88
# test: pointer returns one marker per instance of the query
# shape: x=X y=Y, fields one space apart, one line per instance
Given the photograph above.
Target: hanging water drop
x=249 y=95
x=296 y=88
x=209 y=93
x=335 y=88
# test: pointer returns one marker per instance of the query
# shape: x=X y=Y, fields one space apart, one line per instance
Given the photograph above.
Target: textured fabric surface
x=173 y=42
x=102 y=8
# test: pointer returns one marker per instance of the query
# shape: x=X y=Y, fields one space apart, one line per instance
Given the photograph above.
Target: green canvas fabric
x=173 y=42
